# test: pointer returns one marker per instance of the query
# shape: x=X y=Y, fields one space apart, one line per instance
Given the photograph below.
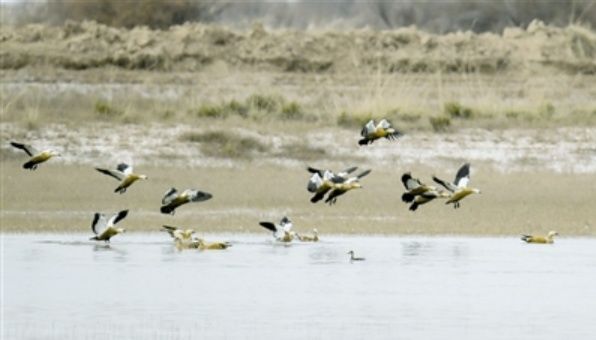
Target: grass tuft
x=456 y=110
x=224 y=144
x=440 y=123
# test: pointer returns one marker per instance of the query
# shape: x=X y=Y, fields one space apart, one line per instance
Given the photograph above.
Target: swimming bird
x=309 y=238
x=414 y=187
x=341 y=188
x=104 y=229
x=172 y=199
x=354 y=258
x=459 y=187
x=178 y=234
x=282 y=231
x=540 y=239
x=371 y=132
x=200 y=244
x=322 y=181
x=124 y=174
x=426 y=197
x=37 y=157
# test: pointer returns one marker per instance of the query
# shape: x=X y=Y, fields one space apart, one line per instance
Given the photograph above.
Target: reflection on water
x=142 y=287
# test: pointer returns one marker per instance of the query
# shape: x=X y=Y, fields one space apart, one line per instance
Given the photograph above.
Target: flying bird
x=322 y=181
x=172 y=199
x=414 y=187
x=124 y=174
x=548 y=239
x=104 y=229
x=37 y=157
x=371 y=132
x=341 y=188
x=459 y=187
x=281 y=232
x=426 y=197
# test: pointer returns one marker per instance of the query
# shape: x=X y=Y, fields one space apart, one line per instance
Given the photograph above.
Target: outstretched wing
x=31 y=151
x=314 y=183
x=368 y=128
x=463 y=176
x=268 y=225
x=315 y=171
x=347 y=171
x=169 y=196
x=117 y=217
x=169 y=229
x=198 y=196
x=445 y=184
x=384 y=124
x=409 y=182
x=114 y=173
x=124 y=168
x=99 y=223
x=364 y=173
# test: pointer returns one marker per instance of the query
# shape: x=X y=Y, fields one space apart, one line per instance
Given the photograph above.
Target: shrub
x=440 y=124
x=456 y=110
x=210 y=111
x=223 y=144
x=104 y=110
x=291 y=110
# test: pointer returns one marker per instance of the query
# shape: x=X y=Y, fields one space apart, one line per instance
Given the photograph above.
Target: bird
x=309 y=238
x=322 y=181
x=37 y=157
x=540 y=239
x=354 y=258
x=172 y=199
x=414 y=187
x=282 y=231
x=371 y=132
x=341 y=188
x=200 y=244
x=104 y=229
x=426 y=197
x=178 y=234
x=459 y=187
x=124 y=174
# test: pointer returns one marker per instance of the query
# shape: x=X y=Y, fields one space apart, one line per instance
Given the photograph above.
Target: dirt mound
x=192 y=47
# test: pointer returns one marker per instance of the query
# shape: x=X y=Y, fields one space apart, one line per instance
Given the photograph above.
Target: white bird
x=124 y=174
x=459 y=187
x=282 y=231
x=104 y=229
x=37 y=157
x=172 y=199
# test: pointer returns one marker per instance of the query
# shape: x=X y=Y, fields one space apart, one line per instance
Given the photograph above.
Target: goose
x=370 y=132
x=341 y=188
x=322 y=181
x=104 y=229
x=178 y=234
x=426 y=197
x=459 y=187
x=37 y=157
x=540 y=239
x=309 y=238
x=200 y=244
x=282 y=231
x=124 y=174
x=414 y=187
x=172 y=199
x=354 y=258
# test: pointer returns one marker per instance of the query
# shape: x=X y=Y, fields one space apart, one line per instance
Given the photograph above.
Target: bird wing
x=463 y=176
x=31 y=151
x=114 y=173
x=117 y=218
x=445 y=184
x=364 y=173
x=346 y=172
x=384 y=124
x=368 y=128
x=286 y=224
x=315 y=171
x=197 y=195
x=409 y=182
x=124 y=168
x=268 y=225
x=99 y=223
x=169 y=196
x=314 y=183
x=169 y=229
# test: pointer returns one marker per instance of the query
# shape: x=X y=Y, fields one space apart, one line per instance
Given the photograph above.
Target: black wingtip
x=166 y=209
x=363 y=142
x=414 y=206
x=407 y=197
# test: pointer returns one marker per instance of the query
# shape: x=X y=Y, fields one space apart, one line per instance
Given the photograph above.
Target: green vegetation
x=456 y=110
x=440 y=124
x=224 y=144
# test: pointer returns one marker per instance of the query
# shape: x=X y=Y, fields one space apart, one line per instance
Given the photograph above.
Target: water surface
x=61 y=286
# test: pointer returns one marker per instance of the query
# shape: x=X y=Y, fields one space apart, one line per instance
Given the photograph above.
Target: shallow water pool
x=61 y=286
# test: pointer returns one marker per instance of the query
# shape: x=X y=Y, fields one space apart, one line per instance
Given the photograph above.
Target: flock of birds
x=323 y=182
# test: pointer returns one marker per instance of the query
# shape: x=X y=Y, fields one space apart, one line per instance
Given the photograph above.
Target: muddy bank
x=194 y=47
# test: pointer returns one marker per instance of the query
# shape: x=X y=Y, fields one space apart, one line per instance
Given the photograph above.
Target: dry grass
x=64 y=198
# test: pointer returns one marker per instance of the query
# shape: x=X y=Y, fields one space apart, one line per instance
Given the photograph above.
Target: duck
x=200 y=244
x=414 y=187
x=172 y=199
x=178 y=234
x=37 y=157
x=282 y=232
x=124 y=173
x=371 y=132
x=548 y=239
x=309 y=238
x=105 y=229
x=341 y=188
x=459 y=188
x=322 y=181
x=426 y=197
x=354 y=258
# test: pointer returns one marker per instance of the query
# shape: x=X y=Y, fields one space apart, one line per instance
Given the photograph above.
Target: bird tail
x=414 y=206
x=407 y=197
x=526 y=238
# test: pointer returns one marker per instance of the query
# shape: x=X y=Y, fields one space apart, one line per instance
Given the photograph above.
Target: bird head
x=120 y=230
x=552 y=233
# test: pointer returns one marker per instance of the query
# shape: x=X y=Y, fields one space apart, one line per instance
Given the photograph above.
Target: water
x=59 y=286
